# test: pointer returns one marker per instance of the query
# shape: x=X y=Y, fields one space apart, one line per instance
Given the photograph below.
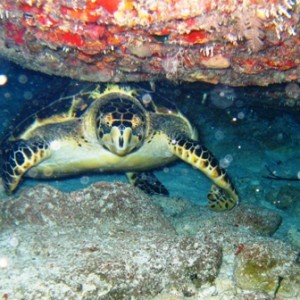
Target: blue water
x=248 y=139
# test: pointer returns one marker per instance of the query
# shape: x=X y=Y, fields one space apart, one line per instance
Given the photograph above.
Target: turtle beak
x=120 y=141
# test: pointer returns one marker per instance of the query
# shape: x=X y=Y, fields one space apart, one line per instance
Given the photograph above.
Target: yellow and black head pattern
x=121 y=126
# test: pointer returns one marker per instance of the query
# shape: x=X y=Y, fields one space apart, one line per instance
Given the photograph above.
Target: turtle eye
x=136 y=121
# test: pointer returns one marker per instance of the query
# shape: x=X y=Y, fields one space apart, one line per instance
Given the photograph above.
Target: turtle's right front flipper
x=222 y=195
x=17 y=157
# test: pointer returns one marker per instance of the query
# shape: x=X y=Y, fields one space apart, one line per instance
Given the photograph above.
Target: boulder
x=109 y=241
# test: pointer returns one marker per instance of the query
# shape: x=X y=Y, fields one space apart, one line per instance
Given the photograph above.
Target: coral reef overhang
x=235 y=43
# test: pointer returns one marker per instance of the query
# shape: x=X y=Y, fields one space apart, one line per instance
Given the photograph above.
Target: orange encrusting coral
x=111 y=6
x=284 y=64
x=14 y=32
x=194 y=37
x=61 y=38
x=79 y=14
x=138 y=39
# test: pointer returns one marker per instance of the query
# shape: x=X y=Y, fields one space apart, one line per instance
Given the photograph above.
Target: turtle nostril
x=121 y=142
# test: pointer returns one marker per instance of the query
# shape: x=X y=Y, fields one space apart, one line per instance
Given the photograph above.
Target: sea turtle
x=110 y=130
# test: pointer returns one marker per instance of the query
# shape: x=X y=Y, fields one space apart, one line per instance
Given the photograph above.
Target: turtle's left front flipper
x=17 y=157
x=222 y=195
x=147 y=182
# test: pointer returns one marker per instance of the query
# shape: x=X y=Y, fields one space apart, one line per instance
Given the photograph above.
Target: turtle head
x=121 y=126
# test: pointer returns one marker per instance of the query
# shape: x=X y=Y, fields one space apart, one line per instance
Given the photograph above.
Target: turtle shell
x=61 y=110
x=73 y=106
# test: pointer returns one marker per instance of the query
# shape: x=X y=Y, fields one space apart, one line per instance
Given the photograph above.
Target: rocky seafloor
x=97 y=237
x=111 y=241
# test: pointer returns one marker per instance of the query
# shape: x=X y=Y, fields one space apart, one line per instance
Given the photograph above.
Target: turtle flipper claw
x=218 y=200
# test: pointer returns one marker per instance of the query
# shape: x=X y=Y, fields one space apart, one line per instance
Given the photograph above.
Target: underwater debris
x=286 y=197
x=240 y=249
x=273 y=175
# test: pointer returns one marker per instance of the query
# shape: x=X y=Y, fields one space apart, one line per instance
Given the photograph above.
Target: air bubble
x=22 y=79
x=146 y=99
x=3 y=262
x=222 y=96
x=55 y=145
x=27 y=95
x=241 y=115
x=7 y=95
x=298 y=175
x=229 y=157
x=14 y=242
x=219 y=135
x=239 y=103
x=84 y=180
x=226 y=161
x=48 y=172
x=280 y=136
x=166 y=170
x=3 y=79
x=32 y=173
x=292 y=90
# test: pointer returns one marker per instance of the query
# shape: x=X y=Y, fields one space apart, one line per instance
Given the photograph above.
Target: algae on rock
x=269 y=267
